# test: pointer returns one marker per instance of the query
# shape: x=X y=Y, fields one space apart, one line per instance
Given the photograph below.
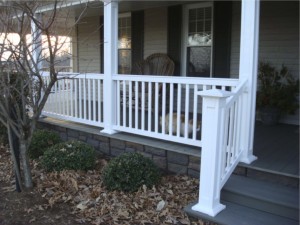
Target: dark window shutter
x=137 y=36
x=222 y=39
x=102 y=44
x=174 y=36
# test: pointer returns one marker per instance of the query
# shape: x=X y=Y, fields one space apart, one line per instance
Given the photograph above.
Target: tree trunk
x=26 y=166
x=15 y=153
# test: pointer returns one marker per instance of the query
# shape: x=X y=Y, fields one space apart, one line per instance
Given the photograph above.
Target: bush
x=130 y=171
x=70 y=155
x=41 y=140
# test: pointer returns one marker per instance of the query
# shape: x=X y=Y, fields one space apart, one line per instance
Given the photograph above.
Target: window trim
x=184 y=43
x=120 y=16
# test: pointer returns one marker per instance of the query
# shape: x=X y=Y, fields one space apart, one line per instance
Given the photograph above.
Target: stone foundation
x=114 y=145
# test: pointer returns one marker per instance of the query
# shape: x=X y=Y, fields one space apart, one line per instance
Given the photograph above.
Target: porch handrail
x=176 y=79
x=222 y=146
x=76 y=97
x=163 y=107
x=80 y=98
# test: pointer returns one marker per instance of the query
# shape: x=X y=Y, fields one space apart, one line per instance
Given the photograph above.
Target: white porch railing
x=77 y=98
x=222 y=143
x=143 y=103
x=150 y=105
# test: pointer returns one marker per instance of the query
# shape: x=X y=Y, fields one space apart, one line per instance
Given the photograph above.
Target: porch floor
x=277 y=147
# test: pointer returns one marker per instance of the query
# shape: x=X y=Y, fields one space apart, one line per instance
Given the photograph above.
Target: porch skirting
x=169 y=157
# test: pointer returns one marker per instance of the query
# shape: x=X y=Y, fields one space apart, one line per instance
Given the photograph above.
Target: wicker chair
x=155 y=64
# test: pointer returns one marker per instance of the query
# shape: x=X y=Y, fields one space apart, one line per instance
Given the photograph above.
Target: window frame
x=120 y=16
x=184 y=41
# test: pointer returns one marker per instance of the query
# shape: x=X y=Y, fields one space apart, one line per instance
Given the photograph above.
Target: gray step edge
x=235 y=214
x=262 y=190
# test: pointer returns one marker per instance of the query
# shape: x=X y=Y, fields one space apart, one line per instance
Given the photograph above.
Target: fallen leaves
x=91 y=202
x=162 y=204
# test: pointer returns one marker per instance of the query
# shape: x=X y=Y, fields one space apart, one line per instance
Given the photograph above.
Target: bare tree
x=23 y=88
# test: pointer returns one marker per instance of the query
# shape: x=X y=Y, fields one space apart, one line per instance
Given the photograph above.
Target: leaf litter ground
x=77 y=197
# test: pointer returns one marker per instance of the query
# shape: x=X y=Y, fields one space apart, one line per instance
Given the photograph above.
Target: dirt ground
x=77 y=197
x=28 y=207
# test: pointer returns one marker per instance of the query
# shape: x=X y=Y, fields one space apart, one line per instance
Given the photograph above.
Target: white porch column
x=212 y=138
x=248 y=70
x=110 y=63
x=36 y=36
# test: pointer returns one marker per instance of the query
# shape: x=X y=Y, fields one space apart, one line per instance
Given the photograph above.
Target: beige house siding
x=89 y=45
x=155 y=25
x=278 y=37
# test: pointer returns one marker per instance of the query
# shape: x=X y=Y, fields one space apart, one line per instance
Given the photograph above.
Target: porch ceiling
x=69 y=11
x=95 y=8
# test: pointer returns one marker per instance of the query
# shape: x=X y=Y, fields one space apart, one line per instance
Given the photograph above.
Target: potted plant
x=277 y=94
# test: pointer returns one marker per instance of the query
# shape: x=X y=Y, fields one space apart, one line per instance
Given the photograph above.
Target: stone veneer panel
x=173 y=162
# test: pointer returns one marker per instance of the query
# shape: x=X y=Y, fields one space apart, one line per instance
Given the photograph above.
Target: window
x=197 y=40
x=124 y=44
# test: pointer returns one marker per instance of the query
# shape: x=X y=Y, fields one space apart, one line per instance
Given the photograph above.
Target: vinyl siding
x=155 y=31
x=89 y=45
x=278 y=37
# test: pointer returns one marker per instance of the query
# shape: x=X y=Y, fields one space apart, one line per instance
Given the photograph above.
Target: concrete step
x=254 y=202
x=268 y=197
x=236 y=214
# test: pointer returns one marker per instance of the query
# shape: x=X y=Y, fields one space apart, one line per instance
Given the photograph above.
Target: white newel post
x=248 y=70
x=212 y=125
x=110 y=63
x=36 y=36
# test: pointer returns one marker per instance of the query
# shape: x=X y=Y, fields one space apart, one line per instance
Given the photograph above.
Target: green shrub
x=41 y=140
x=70 y=155
x=130 y=171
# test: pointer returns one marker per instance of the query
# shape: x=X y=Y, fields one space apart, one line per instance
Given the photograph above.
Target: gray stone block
x=72 y=139
x=135 y=146
x=155 y=151
x=82 y=138
x=129 y=149
x=73 y=133
x=87 y=135
x=194 y=166
x=116 y=151
x=147 y=155
x=194 y=159
x=161 y=162
x=101 y=138
x=63 y=136
x=177 y=158
x=177 y=169
x=93 y=142
x=58 y=128
x=104 y=147
x=114 y=143
x=194 y=173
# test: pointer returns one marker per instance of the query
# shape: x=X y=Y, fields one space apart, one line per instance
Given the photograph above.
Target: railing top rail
x=237 y=92
x=76 y=75
x=178 y=80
